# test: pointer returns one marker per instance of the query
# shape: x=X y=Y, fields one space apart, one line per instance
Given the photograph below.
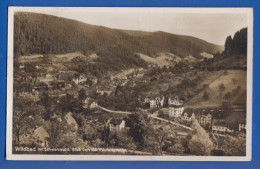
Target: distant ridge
x=46 y=34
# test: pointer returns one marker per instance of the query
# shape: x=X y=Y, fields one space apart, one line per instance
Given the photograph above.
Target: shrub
x=234 y=80
x=205 y=95
x=205 y=86
x=227 y=96
x=222 y=87
x=161 y=114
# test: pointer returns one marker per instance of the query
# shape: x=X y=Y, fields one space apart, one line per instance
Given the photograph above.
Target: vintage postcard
x=168 y=84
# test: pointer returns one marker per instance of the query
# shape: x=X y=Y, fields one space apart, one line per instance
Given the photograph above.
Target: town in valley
x=159 y=103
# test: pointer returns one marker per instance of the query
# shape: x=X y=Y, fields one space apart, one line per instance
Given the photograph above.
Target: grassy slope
x=231 y=80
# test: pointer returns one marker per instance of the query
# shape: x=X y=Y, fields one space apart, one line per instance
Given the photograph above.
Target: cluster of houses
x=204 y=117
x=175 y=104
x=155 y=102
x=114 y=125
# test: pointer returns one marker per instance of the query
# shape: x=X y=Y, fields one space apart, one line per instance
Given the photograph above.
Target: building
x=47 y=79
x=60 y=85
x=186 y=119
x=241 y=127
x=41 y=136
x=94 y=81
x=124 y=77
x=175 y=101
x=21 y=66
x=176 y=111
x=176 y=107
x=57 y=93
x=31 y=57
x=146 y=100
x=102 y=92
x=156 y=102
x=204 y=120
x=93 y=105
x=220 y=127
x=80 y=79
x=85 y=102
x=116 y=125
x=35 y=92
x=71 y=121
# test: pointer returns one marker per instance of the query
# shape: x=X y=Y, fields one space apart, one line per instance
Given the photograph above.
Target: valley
x=109 y=91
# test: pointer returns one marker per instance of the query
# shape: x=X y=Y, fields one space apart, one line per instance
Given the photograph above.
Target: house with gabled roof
x=71 y=121
x=116 y=124
x=41 y=136
x=186 y=118
x=204 y=119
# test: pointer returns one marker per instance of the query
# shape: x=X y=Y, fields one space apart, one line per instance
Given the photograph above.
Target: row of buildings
x=204 y=118
x=175 y=104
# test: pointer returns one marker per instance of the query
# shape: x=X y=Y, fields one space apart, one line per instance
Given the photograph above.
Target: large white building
x=176 y=111
x=176 y=107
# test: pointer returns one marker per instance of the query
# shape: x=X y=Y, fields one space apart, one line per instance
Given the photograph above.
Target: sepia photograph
x=100 y=83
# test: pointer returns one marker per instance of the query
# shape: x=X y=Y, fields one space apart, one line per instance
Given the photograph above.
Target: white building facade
x=176 y=107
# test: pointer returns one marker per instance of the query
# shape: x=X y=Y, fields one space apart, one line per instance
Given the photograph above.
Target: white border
x=10 y=156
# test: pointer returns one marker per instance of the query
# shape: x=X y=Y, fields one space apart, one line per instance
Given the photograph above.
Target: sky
x=212 y=25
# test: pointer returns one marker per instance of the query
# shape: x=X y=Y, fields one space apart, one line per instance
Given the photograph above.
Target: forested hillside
x=237 y=45
x=46 y=34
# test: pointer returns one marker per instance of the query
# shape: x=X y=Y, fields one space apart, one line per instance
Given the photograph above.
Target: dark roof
x=176 y=106
x=116 y=121
x=188 y=112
